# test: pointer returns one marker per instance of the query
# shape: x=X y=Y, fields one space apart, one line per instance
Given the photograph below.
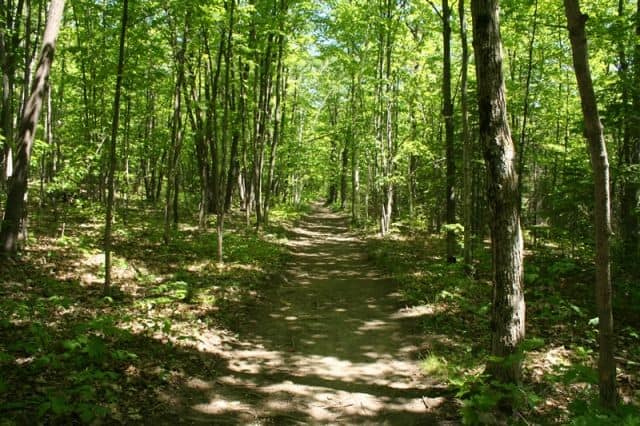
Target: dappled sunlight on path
x=332 y=344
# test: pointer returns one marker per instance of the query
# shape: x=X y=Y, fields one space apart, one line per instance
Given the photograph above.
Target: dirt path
x=329 y=346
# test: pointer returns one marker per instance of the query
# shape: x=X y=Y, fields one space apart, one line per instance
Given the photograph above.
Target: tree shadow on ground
x=325 y=347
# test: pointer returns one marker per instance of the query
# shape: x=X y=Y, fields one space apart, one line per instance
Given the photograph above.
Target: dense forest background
x=182 y=138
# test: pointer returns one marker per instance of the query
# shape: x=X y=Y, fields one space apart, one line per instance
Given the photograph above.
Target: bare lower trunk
x=204 y=200
x=508 y=311
x=220 y=236
x=343 y=177
x=602 y=212
x=112 y=152
x=355 y=187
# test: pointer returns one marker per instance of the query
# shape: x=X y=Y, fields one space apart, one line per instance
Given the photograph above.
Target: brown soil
x=331 y=345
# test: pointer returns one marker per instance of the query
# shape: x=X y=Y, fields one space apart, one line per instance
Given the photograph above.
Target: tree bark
x=15 y=205
x=194 y=112
x=594 y=134
x=9 y=45
x=466 y=139
x=173 y=157
x=385 y=126
x=355 y=155
x=508 y=311
x=344 y=186
x=447 y=112
x=112 y=149
x=225 y=161
x=527 y=89
x=630 y=198
x=278 y=115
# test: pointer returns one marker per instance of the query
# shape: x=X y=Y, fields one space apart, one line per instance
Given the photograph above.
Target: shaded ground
x=332 y=344
x=184 y=340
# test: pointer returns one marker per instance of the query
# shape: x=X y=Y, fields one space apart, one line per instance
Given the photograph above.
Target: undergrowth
x=68 y=354
x=560 y=380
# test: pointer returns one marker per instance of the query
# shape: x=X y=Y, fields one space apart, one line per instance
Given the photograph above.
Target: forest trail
x=331 y=345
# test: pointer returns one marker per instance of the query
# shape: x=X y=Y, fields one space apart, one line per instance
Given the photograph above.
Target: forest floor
x=305 y=323
x=297 y=327
x=332 y=344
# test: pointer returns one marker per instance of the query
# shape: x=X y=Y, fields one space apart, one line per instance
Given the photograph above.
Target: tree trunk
x=527 y=88
x=630 y=198
x=261 y=132
x=225 y=141
x=194 y=112
x=30 y=52
x=447 y=112
x=355 y=156
x=332 y=194
x=173 y=157
x=9 y=45
x=234 y=167
x=278 y=116
x=112 y=150
x=385 y=126
x=15 y=205
x=602 y=212
x=355 y=185
x=508 y=311
x=466 y=139
x=344 y=187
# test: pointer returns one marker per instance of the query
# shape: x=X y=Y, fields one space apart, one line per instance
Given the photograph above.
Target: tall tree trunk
x=112 y=149
x=9 y=44
x=237 y=135
x=194 y=112
x=45 y=160
x=527 y=89
x=173 y=157
x=447 y=112
x=234 y=164
x=127 y=176
x=86 y=99
x=508 y=311
x=355 y=157
x=15 y=205
x=602 y=212
x=630 y=198
x=278 y=116
x=243 y=175
x=386 y=126
x=225 y=142
x=332 y=194
x=344 y=187
x=211 y=123
x=30 y=52
x=466 y=139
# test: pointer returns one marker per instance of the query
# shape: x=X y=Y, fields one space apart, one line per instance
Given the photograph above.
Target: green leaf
x=96 y=348
x=59 y=405
x=533 y=344
x=44 y=408
x=577 y=309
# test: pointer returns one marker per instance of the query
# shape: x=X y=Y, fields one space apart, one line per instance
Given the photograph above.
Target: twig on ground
x=426 y=404
x=523 y=419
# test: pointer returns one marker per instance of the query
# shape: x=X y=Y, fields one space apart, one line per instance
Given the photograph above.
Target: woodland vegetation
x=155 y=155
